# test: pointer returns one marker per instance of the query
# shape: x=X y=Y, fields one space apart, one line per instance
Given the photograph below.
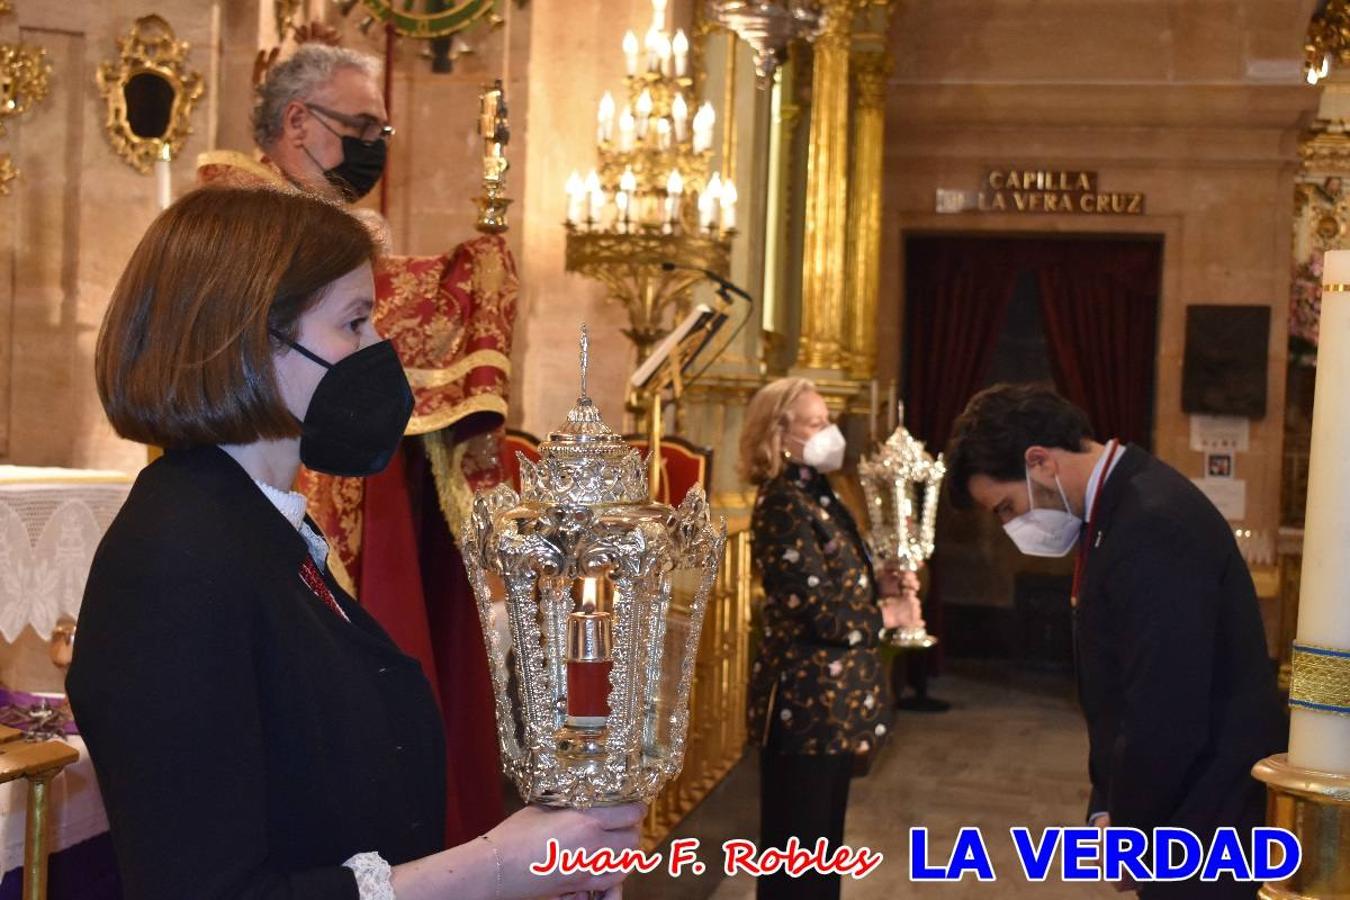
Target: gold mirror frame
x=149 y=48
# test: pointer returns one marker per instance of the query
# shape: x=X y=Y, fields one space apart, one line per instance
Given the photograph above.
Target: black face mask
x=358 y=412
x=361 y=167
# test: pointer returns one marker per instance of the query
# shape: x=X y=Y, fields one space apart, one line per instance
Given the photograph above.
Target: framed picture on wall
x=1224 y=369
x=1218 y=465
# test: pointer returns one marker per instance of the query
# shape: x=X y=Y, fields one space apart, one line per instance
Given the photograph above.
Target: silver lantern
x=602 y=592
x=901 y=482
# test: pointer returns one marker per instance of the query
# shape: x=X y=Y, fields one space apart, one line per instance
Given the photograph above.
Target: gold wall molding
x=1325 y=149
x=822 y=344
x=149 y=92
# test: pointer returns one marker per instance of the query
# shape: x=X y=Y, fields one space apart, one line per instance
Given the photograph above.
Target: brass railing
x=717 y=701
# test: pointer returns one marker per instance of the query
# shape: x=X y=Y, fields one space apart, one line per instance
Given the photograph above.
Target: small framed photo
x=1219 y=465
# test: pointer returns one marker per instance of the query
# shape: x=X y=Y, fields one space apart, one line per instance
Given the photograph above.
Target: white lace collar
x=290 y=504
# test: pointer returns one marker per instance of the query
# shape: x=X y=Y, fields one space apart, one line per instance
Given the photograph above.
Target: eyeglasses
x=367 y=127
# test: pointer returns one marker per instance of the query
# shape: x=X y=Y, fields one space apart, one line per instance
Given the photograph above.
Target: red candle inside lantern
x=588 y=660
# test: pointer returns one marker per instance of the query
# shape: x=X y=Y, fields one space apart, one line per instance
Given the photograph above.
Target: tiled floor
x=1011 y=752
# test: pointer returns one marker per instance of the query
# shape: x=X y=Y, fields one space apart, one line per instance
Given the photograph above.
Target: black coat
x=1174 y=677
x=816 y=685
x=247 y=740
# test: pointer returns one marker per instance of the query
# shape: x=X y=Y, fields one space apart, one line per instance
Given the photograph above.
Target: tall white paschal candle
x=1321 y=740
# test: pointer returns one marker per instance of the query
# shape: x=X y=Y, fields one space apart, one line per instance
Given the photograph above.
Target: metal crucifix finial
x=585 y=357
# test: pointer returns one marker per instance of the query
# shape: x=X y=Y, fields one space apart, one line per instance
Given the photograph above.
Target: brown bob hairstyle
x=184 y=357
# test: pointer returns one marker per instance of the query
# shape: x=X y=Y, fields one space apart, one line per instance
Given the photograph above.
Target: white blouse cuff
x=374 y=878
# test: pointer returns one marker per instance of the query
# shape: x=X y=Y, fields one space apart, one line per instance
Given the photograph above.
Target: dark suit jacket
x=817 y=683
x=1179 y=694
x=247 y=740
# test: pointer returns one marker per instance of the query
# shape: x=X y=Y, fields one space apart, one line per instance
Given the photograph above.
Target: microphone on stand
x=721 y=282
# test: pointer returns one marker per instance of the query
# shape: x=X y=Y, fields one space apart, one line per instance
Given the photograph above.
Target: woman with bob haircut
x=817 y=700
x=255 y=733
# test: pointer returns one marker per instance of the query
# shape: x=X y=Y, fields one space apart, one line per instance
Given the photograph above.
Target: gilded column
x=871 y=65
x=822 y=343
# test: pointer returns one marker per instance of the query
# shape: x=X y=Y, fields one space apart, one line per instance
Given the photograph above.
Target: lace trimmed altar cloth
x=51 y=521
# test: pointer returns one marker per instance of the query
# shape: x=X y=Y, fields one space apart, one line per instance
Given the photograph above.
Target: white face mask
x=1045 y=532
x=824 y=452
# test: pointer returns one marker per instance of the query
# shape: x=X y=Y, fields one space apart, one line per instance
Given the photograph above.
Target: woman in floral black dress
x=818 y=697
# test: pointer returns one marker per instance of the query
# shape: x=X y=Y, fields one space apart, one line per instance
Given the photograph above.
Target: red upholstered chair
x=683 y=465
x=514 y=441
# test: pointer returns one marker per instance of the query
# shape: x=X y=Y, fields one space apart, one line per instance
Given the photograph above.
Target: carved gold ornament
x=8 y=172
x=284 y=12
x=1327 y=43
x=149 y=92
x=24 y=75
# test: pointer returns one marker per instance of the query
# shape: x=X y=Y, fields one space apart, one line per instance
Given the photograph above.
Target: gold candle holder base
x=1315 y=806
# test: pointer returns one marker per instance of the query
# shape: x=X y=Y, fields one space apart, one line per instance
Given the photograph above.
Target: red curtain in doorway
x=1099 y=303
x=957 y=292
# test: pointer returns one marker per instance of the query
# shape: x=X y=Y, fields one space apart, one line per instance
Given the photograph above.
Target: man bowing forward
x=1173 y=677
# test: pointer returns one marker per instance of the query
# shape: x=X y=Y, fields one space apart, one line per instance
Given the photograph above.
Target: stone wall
x=1198 y=105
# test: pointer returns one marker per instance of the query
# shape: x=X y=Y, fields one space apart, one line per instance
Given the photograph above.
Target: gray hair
x=299 y=77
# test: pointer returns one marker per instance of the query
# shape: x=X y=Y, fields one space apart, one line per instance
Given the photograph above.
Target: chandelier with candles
x=653 y=198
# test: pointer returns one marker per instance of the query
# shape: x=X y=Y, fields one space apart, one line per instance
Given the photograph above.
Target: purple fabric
x=16 y=711
x=86 y=871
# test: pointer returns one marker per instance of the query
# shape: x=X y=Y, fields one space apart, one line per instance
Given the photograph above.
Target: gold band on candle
x=1335 y=288
x=1321 y=679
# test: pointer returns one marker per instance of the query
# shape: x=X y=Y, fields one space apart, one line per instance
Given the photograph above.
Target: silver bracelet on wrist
x=497 y=859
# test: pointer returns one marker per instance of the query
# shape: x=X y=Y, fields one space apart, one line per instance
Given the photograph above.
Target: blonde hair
x=767 y=419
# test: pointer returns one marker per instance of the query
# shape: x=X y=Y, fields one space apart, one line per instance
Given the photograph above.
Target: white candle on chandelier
x=708 y=202
x=604 y=133
x=621 y=201
x=644 y=113
x=707 y=211
x=704 y=120
x=597 y=208
x=652 y=44
x=659 y=14
x=630 y=51
x=674 y=192
x=679 y=115
x=680 y=46
x=628 y=181
x=663 y=51
x=627 y=129
x=576 y=193
x=595 y=195
x=728 y=205
x=663 y=134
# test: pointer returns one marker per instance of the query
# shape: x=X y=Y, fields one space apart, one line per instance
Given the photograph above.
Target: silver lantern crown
x=902 y=482
x=593 y=665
